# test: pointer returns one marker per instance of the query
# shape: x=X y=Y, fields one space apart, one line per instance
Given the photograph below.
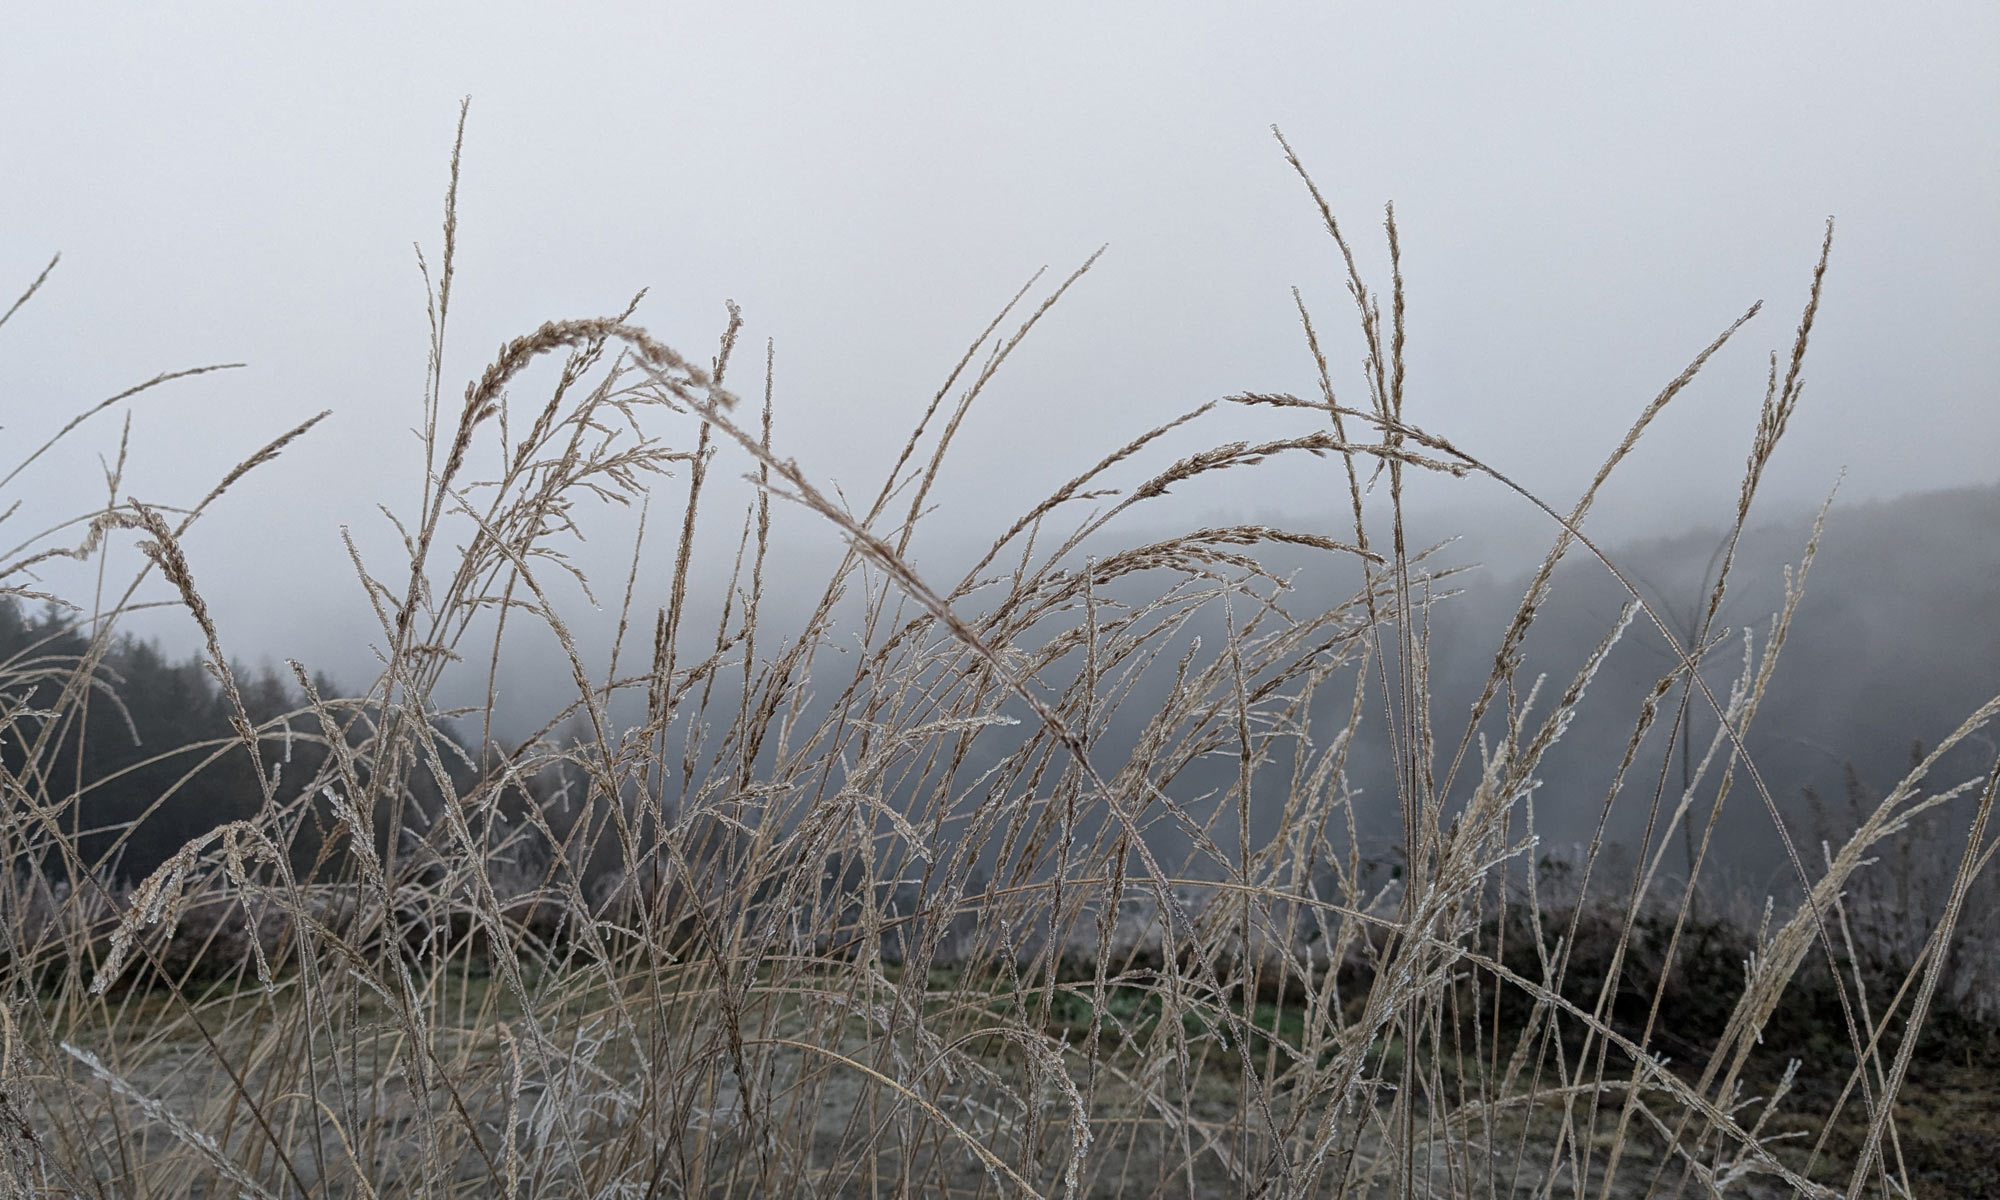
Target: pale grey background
x=1586 y=198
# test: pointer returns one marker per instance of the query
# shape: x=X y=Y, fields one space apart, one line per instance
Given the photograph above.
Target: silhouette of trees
x=147 y=760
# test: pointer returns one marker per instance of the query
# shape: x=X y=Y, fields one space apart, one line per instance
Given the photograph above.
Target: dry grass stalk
x=957 y=903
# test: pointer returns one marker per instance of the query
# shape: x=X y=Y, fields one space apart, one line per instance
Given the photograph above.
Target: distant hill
x=1896 y=641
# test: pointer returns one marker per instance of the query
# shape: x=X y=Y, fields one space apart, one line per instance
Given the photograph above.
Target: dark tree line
x=124 y=756
x=146 y=757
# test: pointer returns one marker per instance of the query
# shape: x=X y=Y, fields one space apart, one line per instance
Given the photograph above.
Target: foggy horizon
x=1582 y=204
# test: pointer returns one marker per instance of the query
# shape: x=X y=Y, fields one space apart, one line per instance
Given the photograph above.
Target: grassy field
x=882 y=904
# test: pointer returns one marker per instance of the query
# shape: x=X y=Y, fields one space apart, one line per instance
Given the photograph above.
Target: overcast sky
x=1587 y=194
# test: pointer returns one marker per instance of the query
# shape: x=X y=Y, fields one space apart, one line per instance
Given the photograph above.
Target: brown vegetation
x=932 y=910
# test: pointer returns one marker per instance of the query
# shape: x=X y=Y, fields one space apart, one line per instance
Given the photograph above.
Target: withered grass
x=878 y=905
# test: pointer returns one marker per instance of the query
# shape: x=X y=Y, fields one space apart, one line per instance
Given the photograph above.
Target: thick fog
x=1585 y=198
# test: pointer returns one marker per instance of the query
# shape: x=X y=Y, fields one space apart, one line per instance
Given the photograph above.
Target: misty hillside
x=1894 y=642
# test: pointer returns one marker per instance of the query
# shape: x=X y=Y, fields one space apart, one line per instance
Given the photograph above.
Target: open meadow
x=1046 y=877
